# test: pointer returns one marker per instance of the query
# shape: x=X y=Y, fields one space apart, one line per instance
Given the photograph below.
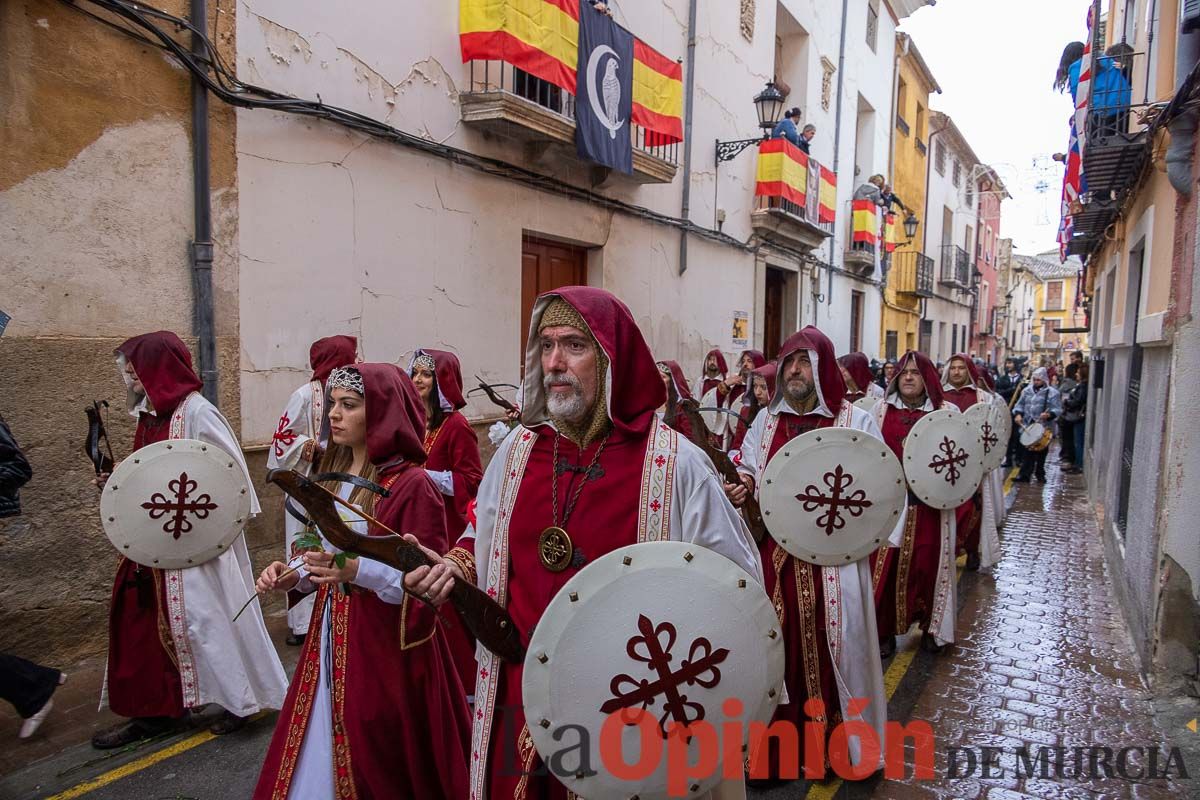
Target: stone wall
x=57 y=570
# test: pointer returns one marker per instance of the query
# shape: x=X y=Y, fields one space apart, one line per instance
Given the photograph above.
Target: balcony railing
x=956 y=267
x=921 y=148
x=912 y=273
x=902 y=125
x=515 y=102
x=775 y=214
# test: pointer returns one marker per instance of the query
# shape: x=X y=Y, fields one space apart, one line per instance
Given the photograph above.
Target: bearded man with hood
x=827 y=613
x=591 y=459
x=172 y=641
x=915 y=577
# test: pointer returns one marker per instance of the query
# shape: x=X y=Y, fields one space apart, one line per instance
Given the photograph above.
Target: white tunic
x=295 y=436
x=694 y=509
x=857 y=666
x=314 y=777
x=233 y=664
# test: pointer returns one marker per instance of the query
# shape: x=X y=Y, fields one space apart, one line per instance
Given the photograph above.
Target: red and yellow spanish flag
x=827 y=197
x=782 y=171
x=889 y=231
x=657 y=95
x=541 y=37
x=865 y=230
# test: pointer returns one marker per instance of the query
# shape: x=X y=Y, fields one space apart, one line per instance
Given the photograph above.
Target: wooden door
x=545 y=266
x=773 y=312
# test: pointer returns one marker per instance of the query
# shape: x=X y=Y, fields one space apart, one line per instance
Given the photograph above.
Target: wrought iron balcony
x=775 y=216
x=912 y=273
x=512 y=103
x=955 y=268
x=1116 y=148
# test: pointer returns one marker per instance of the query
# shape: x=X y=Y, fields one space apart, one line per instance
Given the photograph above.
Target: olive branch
x=309 y=541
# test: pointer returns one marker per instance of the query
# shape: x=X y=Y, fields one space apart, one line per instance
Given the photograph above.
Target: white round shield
x=866 y=403
x=983 y=417
x=715 y=420
x=943 y=459
x=832 y=496
x=1003 y=421
x=644 y=638
x=175 y=504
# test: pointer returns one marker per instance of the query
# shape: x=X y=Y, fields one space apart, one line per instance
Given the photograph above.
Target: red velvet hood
x=395 y=417
x=831 y=387
x=164 y=366
x=329 y=353
x=972 y=370
x=929 y=373
x=722 y=366
x=768 y=372
x=859 y=368
x=682 y=389
x=448 y=374
x=634 y=387
x=756 y=358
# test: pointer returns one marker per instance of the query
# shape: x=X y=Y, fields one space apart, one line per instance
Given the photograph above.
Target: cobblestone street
x=1042 y=659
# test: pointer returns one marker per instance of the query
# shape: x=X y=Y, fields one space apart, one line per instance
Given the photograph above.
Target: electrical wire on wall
x=158 y=29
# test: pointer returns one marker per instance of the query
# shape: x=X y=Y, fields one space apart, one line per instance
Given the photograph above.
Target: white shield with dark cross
x=984 y=417
x=832 y=496
x=649 y=636
x=943 y=458
x=175 y=504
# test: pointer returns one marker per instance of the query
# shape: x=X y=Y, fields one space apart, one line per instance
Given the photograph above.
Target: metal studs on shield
x=832 y=496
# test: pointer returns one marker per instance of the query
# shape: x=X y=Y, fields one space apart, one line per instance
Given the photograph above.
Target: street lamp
x=767 y=104
x=910 y=226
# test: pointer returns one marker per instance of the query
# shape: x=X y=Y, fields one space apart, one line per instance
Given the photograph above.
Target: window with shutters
x=1054 y=296
x=872 y=23
x=1050 y=331
x=939 y=159
x=956 y=175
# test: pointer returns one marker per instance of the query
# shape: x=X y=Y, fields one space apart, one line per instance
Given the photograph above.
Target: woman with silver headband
x=375 y=708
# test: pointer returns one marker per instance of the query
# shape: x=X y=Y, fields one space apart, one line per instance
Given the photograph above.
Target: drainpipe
x=688 y=90
x=201 y=245
x=837 y=139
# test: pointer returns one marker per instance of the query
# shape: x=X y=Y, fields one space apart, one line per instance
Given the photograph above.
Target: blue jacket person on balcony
x=786 y=127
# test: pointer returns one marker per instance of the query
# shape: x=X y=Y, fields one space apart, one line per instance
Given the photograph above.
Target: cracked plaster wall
x=96 y=199
x=339 y=234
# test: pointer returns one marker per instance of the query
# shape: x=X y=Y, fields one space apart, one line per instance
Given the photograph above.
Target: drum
x=1036 y=437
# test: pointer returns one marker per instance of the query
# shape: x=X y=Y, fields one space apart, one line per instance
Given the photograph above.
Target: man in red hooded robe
x=677 y=392
x=592 y=458
x=915 y=579
x=295 y=445
x=856 y=369
x=960 y=386
x=827 y=613
x=375 y=708
x=172 y=641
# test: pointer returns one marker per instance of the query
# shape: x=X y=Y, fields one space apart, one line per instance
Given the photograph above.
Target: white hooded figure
x=610 y=90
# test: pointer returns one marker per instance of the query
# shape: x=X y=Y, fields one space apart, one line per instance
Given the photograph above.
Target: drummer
x=1041 y=403
x=826 y=661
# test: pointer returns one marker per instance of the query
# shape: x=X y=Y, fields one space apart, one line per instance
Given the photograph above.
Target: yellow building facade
x=1056 y=307
x=901 y=316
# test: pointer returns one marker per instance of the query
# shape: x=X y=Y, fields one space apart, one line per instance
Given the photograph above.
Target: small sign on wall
x=741 y=330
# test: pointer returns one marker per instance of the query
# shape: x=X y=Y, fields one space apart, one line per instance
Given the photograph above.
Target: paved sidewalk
x=1042 y=658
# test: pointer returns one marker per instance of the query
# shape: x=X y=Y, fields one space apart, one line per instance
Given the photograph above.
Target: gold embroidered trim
x=525 y=752
x=903 y=562
x=404 y=643
x=464 y=559
x=806 y=595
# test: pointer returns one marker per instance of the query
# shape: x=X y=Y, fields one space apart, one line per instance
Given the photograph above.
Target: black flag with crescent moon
x=604 y=91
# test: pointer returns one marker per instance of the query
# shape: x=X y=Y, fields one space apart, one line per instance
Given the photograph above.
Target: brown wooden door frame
x=546 y=265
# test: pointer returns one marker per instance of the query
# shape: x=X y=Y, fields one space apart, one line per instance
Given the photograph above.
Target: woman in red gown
x=375 y=708
x=452 y=461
